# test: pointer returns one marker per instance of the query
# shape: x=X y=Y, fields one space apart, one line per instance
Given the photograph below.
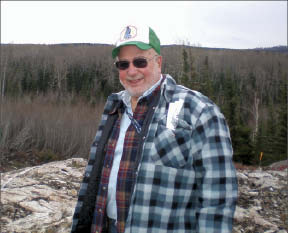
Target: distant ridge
x=279 y=48
x=89 y=44
x=62 y=44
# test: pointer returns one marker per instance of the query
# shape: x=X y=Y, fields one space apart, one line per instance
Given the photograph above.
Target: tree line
x=249 y=86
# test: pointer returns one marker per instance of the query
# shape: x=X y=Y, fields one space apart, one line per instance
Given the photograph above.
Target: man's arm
x=215 y=173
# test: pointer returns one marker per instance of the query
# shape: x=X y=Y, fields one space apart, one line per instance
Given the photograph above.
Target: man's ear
x=159 y=61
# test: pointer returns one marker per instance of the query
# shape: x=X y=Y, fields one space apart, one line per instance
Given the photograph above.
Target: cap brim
x=139 y=44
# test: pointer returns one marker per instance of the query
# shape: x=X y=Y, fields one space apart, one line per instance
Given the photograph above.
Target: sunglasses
x=138 y=62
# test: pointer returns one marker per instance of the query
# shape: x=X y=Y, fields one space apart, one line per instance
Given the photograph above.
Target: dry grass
x=59 y=128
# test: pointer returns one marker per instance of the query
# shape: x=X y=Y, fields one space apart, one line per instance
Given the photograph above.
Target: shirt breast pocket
x=172 y=146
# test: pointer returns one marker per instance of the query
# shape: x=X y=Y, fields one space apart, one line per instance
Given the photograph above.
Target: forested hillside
x=250 y=87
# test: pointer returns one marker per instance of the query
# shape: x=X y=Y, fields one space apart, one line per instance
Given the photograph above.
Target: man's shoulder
x=116 y=96
x=112 y=101
x=191 y=97
x=195 y=103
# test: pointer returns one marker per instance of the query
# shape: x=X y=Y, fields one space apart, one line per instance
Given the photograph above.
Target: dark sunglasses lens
x=122 y=65
x=140 y=62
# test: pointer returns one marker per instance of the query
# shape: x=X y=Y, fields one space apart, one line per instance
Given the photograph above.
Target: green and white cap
x=143 y=37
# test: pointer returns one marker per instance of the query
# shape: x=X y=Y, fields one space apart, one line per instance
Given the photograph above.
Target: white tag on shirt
x=173 y=114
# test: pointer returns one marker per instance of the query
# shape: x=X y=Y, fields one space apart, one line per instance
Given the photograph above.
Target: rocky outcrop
x=263 y=202
x=42 y=199
x=279 y=166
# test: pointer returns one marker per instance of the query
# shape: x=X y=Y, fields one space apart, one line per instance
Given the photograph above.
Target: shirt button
x=100 y=210
x=104 y=187
x=144 y=137
x=107 y=166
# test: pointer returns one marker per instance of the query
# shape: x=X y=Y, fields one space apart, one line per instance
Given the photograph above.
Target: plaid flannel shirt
x=99 y=218
x=129 y=162
x=185 y=182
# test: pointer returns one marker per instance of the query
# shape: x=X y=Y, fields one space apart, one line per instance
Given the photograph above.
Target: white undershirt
x=124 y=124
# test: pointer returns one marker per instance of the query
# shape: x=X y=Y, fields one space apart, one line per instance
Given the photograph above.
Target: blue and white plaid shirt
x=186 y=181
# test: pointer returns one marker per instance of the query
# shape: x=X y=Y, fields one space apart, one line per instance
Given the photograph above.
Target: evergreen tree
x=242 y=145
x=281 y=131
x=270 y=136
x=185 y=79
x=240 y=133
x=206 y=80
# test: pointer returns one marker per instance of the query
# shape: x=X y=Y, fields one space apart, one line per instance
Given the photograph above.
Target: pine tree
x=185 y=80
x=206 y=79
x=193 y=73
x=240 y=133
x=281 y=131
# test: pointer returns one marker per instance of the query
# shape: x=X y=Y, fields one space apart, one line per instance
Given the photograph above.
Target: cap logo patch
x=128 y=33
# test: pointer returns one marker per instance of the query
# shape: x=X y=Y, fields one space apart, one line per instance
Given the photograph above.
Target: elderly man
x=161 y=160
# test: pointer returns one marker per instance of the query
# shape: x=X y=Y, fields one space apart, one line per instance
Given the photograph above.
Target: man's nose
x=132 y=70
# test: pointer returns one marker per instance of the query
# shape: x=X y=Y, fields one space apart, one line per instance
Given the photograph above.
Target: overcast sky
x=220 y=24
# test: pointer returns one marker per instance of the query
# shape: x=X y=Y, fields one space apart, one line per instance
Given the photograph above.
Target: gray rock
x=42 y=198
x=266 y=212
x=282 y=231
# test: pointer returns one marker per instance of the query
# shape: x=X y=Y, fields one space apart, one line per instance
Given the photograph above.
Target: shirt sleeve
x=215 y=173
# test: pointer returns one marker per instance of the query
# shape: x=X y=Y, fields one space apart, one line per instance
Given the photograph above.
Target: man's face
x=137 y=80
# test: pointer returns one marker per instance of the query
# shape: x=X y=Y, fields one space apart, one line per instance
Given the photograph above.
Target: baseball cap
x=143 y=37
